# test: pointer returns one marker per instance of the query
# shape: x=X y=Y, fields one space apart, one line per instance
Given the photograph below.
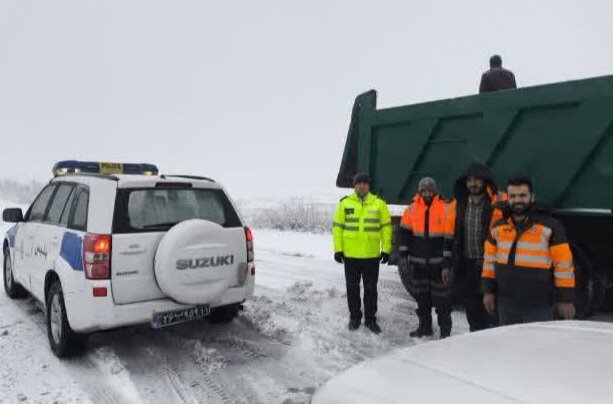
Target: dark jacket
x=496 y=79
x=454 y=247
x=528 y=283
x=422 y=231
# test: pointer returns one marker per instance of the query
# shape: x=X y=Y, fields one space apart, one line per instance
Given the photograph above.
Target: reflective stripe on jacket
x=422 y=230
x=534 y=267
x=362 y=229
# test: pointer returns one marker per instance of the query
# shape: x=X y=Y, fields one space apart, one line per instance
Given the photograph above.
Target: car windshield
x=158 y=209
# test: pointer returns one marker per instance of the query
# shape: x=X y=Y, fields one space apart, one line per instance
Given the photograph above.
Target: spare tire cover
x=195 y=262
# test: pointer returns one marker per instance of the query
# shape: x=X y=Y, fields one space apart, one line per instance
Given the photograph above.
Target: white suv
x=109 y=250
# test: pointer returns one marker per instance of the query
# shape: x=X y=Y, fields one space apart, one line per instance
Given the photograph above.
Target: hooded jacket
x=453 y=250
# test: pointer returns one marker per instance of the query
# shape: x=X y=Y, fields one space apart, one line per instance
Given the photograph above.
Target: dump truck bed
x=559 y=134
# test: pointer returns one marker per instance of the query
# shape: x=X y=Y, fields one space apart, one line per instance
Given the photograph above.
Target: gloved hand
x=385 y=257
x=339 y=257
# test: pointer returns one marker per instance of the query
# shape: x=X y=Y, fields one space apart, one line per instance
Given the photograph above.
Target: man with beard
x=528 y=263
x=362 y=235
x=475 y=208
x=421 y=242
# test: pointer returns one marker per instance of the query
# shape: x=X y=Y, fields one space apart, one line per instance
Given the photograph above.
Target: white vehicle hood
x=561 y=362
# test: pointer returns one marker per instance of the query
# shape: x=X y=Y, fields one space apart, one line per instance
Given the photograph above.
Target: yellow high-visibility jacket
x=362 y=229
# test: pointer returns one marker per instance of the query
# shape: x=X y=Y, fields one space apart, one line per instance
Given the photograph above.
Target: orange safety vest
x=521 y=266
x=428 y=236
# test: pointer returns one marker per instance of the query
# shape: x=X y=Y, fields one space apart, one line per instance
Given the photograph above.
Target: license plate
x=167 y=318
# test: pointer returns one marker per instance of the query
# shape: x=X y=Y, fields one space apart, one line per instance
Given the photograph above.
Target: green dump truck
x=560 y=134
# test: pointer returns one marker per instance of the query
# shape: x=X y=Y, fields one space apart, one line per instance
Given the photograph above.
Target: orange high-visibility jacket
x=422 y=230
x=534 y=267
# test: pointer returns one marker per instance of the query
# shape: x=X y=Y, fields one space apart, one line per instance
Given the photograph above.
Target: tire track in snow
x=188 y=370
x=156 y=379
x=203 y=365
x=189 y=377
x=82 y=369
x=256 y=368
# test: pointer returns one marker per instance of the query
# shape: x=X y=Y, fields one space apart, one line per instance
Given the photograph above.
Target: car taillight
x=249 y=237
x=97 y=256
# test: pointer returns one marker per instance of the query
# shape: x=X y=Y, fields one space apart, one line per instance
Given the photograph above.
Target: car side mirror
x=12 y=215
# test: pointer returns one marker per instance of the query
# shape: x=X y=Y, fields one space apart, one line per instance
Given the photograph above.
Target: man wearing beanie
x=422 y=231
x=362 y=235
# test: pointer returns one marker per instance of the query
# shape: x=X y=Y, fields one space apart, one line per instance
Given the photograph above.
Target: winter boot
x=424 y=330
x=373 y=326
x=445 y=332
x=424 y=313
x=444 y=321
x=354 y=324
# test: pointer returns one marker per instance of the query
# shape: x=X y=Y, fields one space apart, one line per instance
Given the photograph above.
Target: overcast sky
x=258 y=94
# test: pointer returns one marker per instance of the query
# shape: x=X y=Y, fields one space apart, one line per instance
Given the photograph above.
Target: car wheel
x=223 y=314
x=63 y=340
x=13 y=289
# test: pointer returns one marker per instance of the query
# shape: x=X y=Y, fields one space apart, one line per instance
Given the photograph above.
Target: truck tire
x=64 y=342
x=587 y=285
x=223 y=314
x=406 y=275
x=13 y=289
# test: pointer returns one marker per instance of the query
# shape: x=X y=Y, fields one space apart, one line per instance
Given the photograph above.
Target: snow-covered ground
x=289 y=340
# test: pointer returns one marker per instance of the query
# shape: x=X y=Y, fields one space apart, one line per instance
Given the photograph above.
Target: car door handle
x=55 y=240
x=133 y=251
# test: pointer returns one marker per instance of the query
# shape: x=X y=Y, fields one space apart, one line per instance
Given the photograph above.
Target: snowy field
x=289 y=340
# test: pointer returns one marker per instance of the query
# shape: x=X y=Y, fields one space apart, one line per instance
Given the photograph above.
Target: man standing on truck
x=362 y=235
x=528 y=263
x=497 y=77
x=421 y=241
x=472 y=212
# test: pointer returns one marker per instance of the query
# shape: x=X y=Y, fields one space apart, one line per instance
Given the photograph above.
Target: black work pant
x=511 y=313
x=469 y=280
x=430 y=291
x=368 y=270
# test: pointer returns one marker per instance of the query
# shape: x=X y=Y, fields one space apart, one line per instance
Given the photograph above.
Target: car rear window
x=158 y=209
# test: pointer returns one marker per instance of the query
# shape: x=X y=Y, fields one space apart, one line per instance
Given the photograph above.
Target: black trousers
x=430 y=291
x=368 y=270
x=469 y=284
x=511 y=313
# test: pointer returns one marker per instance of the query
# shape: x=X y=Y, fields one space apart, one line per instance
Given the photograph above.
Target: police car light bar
x=74 y=166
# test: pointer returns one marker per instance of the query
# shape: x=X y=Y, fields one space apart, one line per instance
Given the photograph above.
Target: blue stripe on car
x=11 y=235
x=72 y=250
